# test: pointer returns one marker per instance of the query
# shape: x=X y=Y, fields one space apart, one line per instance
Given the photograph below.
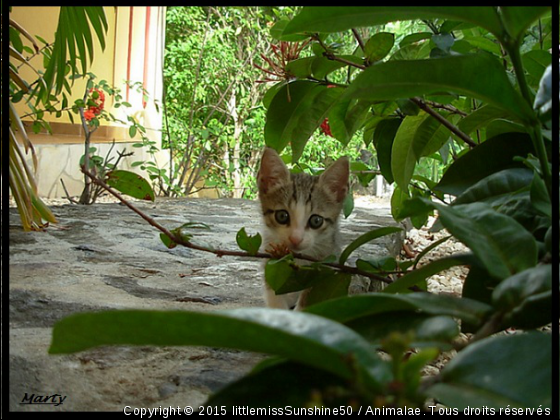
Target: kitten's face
x=301 y=211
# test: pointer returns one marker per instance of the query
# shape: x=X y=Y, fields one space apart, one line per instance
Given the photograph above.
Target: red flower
x=325 y=128
x=98 y=98
x=89 y=115
x=283 y=54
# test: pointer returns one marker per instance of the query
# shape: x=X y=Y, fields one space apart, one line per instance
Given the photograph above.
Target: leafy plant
x=73 y=43
x=92 y=112
x=474 y=102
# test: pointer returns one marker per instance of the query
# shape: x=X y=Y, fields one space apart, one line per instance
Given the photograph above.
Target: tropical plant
x=495 y=197
x=73 y=43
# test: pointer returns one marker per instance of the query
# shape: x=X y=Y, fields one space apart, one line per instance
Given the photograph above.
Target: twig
x=333 y=57
x=454 y=129
x=67 y=194
x=222 y=252
x=359 y=39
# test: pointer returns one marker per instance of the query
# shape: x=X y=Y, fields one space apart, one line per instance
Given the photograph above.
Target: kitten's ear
x=335 y=178
x=273 y=171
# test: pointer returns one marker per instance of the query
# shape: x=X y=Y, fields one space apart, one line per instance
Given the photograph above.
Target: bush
x=462 y=94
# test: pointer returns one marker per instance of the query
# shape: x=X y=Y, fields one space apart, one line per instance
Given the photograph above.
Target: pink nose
x=295 y=240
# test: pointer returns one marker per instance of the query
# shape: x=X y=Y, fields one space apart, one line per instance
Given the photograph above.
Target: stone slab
x=104 y=256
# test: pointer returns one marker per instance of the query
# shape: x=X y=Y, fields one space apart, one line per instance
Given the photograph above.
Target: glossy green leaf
x=416 y=137
x=503 y=245
x=300 y=68
x=504 y=371
x=539 y=196
x=298 y=336
x=322 y=66
x=383 y=139
x=290 y=388
x=517 y=19
x=365 y=238
x=526 y=298
x=249 y=243
x=351 y=308
x=416 y=276
x=479 y=76
x=295 y=112
x=346 y=117
x=494 y=155
x=497 y=188
x=131 y=184
x=331 y=285
x=480 y=118
x=536 y=62
x=424 y=330
x=336 y=19
x=379 y=46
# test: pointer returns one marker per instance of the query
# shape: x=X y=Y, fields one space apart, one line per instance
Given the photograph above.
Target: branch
x=454 y=129
x=222 y=252
x=333 y=57
x=359 y=39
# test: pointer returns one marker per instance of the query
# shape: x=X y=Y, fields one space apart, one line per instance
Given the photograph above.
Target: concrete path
x=106 y=257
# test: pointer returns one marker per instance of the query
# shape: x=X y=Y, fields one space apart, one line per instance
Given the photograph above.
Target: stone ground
x=105 y=257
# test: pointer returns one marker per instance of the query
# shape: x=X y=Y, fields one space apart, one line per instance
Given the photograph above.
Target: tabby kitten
x=300 y=212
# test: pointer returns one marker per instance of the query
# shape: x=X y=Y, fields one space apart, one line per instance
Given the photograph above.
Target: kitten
x=300 y=212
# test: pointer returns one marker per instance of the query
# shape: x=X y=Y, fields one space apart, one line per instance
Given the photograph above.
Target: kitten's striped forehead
x=301 y=191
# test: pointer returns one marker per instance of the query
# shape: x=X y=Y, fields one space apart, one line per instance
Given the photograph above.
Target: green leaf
x=300 y=68
x=285 y=276
x=351 y=308
x=290 y=388
x=73 y=34
x=332 y=284
x=337 y=19
x=416 y=276
x=526 y=298
x=503 y=245
x=492 y=156
x=424 y=330
x=167 y=241
x=298 y=336
x=496 y=372
x=379 y=46
x=497 y=188
x=131 y=184
x=479 y=76
x=295 y=112
x=365 y=238
x=416 y=137
x=536 y=62
x=249 y=243
x=348 y=205
x=132 y=131
x=517 y=19
x=322 y=66
x=539 y=196
x=383 y=139
x=346 y=117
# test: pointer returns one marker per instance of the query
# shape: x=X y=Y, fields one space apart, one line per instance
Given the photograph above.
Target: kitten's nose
x=295 y=240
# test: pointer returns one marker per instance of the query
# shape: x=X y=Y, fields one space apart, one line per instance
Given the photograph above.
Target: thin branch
x=333 y=57
x=359 y=39
x=454 y=129
x=222 y=252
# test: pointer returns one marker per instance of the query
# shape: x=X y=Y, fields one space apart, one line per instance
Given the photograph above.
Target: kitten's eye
x=282 y=217
x=315 y=221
